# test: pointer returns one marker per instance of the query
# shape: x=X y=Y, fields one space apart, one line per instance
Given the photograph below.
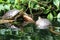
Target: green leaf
x=32 y=4
x=36 y=7
x=29 y=4
x=16 y=1
x=1 y=7
x=46 y=11
x=11 y=1
x=0 y=0
x=2 y=31
x=55 y=14
x=24 y=1
x=50 y=16
x=18 y=7
x=7 y=6
x=35 y=0
x=8 y=1
x=56 y=2
x=58 y=17
x=57 y=29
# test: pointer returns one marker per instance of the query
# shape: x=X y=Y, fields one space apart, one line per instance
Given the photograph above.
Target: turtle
x=14 y=13
x=10 y=15
x=45 y=27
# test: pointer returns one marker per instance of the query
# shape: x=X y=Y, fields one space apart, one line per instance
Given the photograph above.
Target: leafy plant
x=45 y=8
x=50 y=16
x=56 y=2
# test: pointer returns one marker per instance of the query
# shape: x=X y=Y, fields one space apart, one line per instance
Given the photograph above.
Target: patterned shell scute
x=10 y=14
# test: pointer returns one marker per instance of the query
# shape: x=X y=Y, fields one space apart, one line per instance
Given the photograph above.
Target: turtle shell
x=10 y=14
x=43 y=23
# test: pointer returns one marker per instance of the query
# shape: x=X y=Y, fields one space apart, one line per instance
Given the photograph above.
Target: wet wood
x=5 y=21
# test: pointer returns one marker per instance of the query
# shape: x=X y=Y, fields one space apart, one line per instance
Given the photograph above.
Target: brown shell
x=10 y=14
